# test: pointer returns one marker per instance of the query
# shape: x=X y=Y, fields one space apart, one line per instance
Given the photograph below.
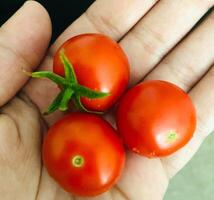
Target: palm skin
x=149 y=45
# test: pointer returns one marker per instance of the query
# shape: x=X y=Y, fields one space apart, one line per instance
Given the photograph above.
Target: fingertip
x=31 y=27
x=24 y=40
x=43 y=16
x=38 y=6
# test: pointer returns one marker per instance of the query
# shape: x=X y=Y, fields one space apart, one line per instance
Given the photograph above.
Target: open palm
x=157 y=40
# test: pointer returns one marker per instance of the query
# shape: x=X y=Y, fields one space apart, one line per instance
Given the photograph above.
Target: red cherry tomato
x=100 y=64
x=156 y=118
x=83 y=154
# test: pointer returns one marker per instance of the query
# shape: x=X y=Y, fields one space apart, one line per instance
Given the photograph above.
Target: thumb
x=24 y=39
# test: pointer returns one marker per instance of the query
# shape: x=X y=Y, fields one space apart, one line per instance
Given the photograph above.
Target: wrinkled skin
x=189 y=65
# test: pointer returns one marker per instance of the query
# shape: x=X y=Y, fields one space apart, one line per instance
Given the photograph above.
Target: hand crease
x=122 y=192
x=17 y=55
x=39 y=182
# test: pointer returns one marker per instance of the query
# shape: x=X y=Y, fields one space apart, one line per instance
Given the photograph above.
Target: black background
x=62 y=12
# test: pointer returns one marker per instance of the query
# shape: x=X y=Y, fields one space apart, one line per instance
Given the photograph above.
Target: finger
x=187 y=63
x=159 y=31
x=111 y=17
x=143 y=178
x=203 y=98
x=23 y=42
x=184 y=66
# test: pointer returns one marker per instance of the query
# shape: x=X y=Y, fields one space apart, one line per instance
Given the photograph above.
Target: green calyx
x=70 y=88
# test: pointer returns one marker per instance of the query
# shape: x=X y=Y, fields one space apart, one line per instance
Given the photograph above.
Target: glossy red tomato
x=83 y=154
x=100 y=64
x=156 y=118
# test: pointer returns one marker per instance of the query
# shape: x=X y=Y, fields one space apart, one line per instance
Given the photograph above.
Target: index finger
x=24 y=39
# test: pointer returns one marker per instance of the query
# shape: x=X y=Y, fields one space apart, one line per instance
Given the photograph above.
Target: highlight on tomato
x=156 y=118
x=84 y=154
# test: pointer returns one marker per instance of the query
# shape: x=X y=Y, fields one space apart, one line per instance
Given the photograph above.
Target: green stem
x=70 y=89
x=50 y=75
x=65 y=100
x=68 y=67
x=55 y=104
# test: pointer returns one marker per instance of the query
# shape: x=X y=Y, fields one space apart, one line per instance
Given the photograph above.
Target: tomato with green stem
x=92 y=70
x=83 y=153
x=156 y=118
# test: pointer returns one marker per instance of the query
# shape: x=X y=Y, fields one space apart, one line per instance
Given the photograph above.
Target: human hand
x=153 y=53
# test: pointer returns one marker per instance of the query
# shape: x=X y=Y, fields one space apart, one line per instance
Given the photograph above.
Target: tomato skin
x=88 y=136
x=100 y=64
x=156 y=118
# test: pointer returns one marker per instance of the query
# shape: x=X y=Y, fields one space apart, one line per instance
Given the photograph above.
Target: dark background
x=62 y=12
